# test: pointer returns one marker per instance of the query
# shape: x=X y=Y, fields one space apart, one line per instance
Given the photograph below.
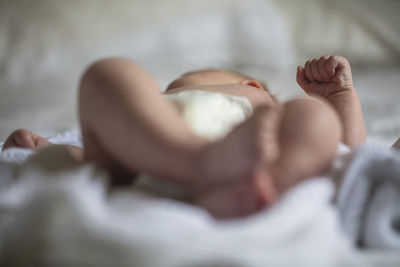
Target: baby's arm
x=27 y=139
x=330 y=77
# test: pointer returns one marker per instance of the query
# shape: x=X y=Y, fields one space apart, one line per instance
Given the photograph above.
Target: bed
x=52 y=218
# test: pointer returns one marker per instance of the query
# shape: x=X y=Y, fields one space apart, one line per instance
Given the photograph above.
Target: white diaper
x=210 y=115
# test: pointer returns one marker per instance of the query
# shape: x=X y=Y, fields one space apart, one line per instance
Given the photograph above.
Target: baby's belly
x=255 y=96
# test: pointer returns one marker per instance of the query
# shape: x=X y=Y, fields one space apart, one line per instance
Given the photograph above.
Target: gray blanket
x=368 y=200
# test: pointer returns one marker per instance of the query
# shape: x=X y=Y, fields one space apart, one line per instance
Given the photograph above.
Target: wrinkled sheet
x=369 y=198
x=64 y=216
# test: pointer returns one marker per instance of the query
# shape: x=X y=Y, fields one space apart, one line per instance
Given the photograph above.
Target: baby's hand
x=330 y=77
x=325 y=76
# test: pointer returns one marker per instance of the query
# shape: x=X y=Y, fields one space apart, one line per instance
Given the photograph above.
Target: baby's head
x=215 y=77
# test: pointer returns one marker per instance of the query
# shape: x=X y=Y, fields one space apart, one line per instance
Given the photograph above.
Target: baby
x=129 y=127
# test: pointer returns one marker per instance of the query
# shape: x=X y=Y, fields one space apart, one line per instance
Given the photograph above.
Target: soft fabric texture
x=369 y=198
x=66 y=219
x=211 y=115
x=63 y=216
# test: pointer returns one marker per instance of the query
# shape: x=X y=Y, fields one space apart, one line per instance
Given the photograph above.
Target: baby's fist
x=325 y=76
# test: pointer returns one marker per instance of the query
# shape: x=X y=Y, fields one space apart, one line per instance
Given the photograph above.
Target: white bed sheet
x=65 y=217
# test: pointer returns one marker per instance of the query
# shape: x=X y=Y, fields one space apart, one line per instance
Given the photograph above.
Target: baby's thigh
x=94 y=152
x=309 y=136
x=310 y=121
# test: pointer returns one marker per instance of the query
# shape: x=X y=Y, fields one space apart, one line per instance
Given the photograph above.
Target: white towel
x=369 y=198
x=66 y=218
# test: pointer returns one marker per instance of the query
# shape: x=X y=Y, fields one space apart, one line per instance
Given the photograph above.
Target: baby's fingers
x=315 y=70
x=308 y=71
x=301 y=77
x=330 y=65
x=322 y=69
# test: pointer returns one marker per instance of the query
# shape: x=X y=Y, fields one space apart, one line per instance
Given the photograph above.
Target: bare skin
x=330 y=77
x=26 y=139
x=277 y=147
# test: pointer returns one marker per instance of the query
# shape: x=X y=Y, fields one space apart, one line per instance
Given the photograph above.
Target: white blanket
x=63 y=216
x=369 y=198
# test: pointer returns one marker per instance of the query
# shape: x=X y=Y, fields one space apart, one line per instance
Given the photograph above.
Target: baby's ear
x=254 y=84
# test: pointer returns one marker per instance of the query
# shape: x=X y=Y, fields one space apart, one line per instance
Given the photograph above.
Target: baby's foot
x=240 y=199
x=239 y=164
x=250 y=146
x=25 y=139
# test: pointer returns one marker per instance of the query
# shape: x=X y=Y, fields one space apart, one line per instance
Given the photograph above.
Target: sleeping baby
x=216 y=135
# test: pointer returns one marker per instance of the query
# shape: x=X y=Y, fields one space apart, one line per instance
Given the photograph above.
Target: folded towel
x=369 y=198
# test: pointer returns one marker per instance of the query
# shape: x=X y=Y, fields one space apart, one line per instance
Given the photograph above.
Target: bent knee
x=105 y=78
x=104 y=70
x=313 y=120
x=310 y=134
x=308 y=106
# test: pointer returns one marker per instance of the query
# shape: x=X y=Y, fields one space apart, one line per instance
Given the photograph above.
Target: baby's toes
x=238 y=200
x=19 y=138
x=25 y=139
x=231 y=202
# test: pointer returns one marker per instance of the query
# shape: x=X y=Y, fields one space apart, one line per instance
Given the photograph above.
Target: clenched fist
x=325 y=76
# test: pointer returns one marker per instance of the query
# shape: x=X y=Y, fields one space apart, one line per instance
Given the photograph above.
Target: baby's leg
x=309 y=136
x=127 y=125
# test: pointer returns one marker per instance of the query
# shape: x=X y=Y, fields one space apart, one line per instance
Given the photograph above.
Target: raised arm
x=330 y=77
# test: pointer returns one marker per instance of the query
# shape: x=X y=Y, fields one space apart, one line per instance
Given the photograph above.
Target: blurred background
x=45 y=46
